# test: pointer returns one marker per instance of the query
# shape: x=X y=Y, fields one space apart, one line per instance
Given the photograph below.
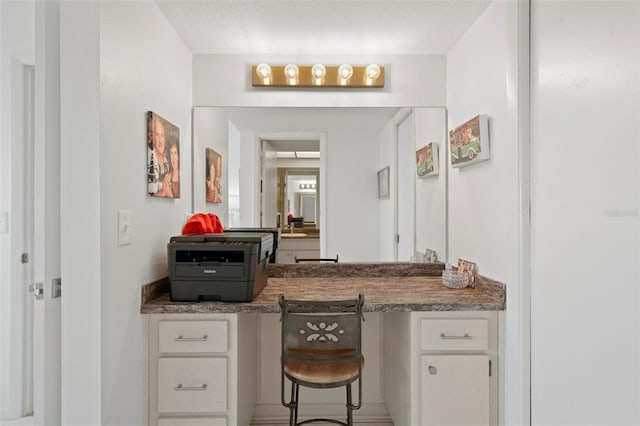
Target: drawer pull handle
x=433 y=370
x=190 y=388
x=465 y=337
x=191 y=339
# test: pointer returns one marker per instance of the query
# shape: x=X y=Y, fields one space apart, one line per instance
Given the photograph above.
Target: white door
x=31 y=356
x=404 y=203
x=269 y=192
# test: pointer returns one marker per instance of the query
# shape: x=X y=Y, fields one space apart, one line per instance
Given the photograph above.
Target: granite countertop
x=387 y=287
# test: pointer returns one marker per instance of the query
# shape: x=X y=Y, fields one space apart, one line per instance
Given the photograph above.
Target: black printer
x=277 y=232
x=227 y=267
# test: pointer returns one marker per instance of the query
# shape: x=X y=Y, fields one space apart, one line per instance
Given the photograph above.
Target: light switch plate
x=125 y=227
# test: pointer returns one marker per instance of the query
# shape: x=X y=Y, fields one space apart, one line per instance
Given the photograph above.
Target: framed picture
x=163 y=157
x=469 y=268
x=383 y=184
x=214 y=176
x=427 y=160
x=469 y=142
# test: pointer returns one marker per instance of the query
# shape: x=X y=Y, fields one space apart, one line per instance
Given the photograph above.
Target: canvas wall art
x=163 y=157
x=214 y=176
x=469 y=142
x=427 y=160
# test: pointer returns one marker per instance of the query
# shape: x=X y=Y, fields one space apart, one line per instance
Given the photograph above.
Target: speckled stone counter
x=387 y=287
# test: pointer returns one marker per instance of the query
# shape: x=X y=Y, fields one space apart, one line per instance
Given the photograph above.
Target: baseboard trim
x=265 y=414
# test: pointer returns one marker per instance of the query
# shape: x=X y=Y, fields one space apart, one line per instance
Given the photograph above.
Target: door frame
x=396 y=208
x=322 y=199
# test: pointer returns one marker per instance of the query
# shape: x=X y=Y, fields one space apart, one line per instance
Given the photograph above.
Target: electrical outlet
x=125 y=227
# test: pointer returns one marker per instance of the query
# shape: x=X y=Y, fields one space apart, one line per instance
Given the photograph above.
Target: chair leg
x=296 y=410
x=293 y=408
x=349 y=405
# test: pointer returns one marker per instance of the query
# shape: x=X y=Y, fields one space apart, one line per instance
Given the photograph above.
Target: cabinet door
x=454 y=390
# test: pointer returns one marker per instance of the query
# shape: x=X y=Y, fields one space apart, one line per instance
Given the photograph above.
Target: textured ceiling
x=321 y=27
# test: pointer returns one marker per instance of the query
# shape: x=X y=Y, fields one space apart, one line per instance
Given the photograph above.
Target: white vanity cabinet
x=450 y=359
x=300 y=247
x=201 y=369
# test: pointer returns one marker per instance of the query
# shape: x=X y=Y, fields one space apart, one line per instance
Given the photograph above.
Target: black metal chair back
x=321 y=348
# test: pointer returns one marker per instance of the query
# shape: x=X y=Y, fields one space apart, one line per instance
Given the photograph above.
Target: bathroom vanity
x=438 y=347
x=298 y=245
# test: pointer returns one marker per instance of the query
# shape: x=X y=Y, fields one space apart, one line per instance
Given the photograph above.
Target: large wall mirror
x=321 y=165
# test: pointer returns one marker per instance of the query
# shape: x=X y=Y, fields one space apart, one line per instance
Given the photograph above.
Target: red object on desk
x=203 y=223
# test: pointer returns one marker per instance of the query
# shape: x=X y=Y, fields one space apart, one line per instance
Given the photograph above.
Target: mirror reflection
x=314 y=173
x=298 y=200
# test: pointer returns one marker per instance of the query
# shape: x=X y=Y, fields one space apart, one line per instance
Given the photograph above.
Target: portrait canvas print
x=163 y=157
x=214 y=176
x=469 y=142
x=427 y=160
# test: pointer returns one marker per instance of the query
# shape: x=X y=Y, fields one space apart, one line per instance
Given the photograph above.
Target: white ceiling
x=321 y=27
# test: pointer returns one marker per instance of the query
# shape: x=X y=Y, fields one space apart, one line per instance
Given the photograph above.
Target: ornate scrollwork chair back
x=321 y=348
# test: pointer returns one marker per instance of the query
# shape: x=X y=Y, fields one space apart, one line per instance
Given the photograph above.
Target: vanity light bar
x=318 y=75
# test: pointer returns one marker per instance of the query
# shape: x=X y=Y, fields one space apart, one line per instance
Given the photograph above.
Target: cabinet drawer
x=454 y=334
x=299 y=244
x=192 y=385
x=192 y=421
x=192 y=336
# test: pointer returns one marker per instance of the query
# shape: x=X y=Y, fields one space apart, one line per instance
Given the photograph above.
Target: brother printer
x=277 y=232
x=227 y=267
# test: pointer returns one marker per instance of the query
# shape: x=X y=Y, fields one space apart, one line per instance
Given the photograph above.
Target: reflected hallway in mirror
x=354 y=144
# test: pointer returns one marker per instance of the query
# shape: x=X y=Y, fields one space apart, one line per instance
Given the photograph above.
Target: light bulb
x=345 y=71
x=318 y=71
x=291 y=71
x=263 y=71
x=373 y=71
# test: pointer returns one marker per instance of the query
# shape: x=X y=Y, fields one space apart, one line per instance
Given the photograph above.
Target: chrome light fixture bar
x=317 y=75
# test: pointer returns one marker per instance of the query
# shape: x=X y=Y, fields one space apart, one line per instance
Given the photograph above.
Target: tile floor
x=28 y=421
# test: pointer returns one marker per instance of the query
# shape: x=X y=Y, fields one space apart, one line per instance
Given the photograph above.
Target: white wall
x=145 y=66
x=585 y=232
x=431 y=192
x=483 y=219
x=80 y=184
x=210 y=130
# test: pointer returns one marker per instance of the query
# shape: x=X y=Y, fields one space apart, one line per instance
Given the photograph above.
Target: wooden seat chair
x=321 y=348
